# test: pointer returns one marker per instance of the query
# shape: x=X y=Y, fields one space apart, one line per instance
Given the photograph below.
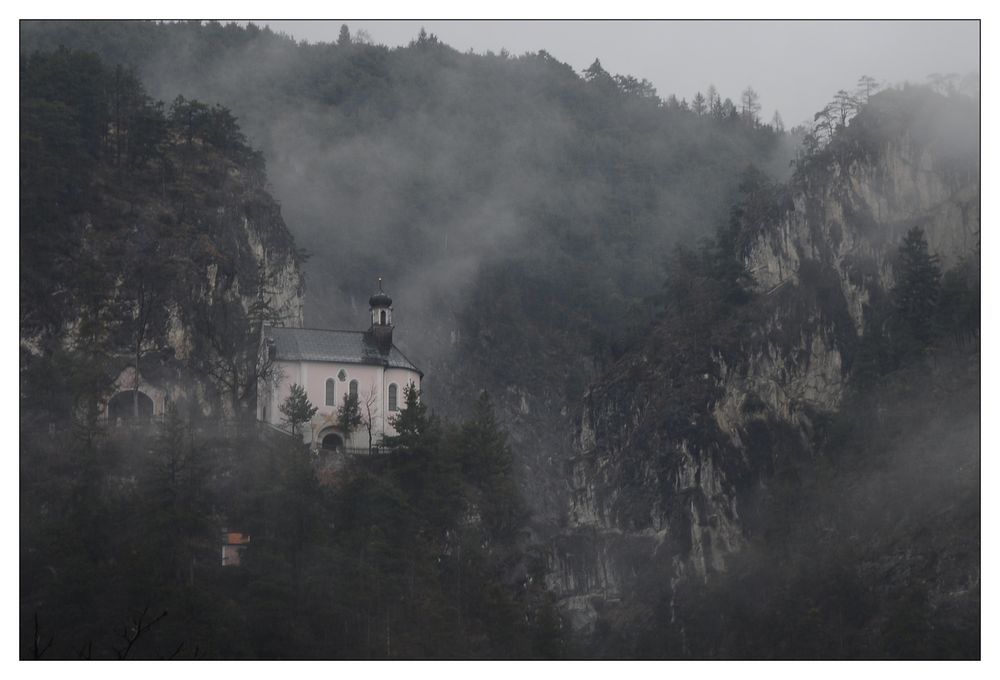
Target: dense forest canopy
x=445 y=171
x=521 y=213
x=421 y=553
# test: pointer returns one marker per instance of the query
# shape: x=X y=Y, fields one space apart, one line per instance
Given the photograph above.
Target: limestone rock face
x=658 y=489
x=207 y=257
x=854 y=222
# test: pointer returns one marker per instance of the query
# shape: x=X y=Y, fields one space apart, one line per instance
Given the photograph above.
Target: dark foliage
x=863 y=540
x=417 y=554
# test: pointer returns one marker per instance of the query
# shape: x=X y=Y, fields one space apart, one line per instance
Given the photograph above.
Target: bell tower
x=381 y=329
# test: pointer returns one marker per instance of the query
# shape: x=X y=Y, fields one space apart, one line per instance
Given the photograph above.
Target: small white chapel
x=332 y=363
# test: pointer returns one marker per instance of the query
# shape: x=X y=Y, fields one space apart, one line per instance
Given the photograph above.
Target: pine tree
x=349 y=415
x=344 y=38
x=411 y=421
x=698 y=104
x=598 y=77
x=297 y=408
x=488 y=463
x=917 y=292
x=959 y=308
x=867 y=86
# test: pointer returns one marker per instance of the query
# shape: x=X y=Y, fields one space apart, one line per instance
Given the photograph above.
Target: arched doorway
x=122 y=407
x=332 y=442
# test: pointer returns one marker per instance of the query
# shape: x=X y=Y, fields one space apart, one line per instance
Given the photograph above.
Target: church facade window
x=354 y=389
x=331 y=392
x=393 y=391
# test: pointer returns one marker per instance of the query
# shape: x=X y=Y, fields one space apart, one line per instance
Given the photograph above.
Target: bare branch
x=39 y=652
x=132 y=635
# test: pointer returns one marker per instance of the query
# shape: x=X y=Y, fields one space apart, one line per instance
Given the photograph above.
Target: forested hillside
x=733 y=372
x=788 y=464
x=148 y=243
x=520 y=213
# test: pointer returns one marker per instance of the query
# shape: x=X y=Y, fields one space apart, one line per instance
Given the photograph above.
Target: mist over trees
x=462 y=162
x=521 y=212
x=418 y=553
x=541 y=230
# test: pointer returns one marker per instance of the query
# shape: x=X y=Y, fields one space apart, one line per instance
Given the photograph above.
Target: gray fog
x=795 y=66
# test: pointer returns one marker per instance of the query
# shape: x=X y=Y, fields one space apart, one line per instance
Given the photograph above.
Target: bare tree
x=134 y=630
x=777 y=122
x=750 y=101
x=944 y=83
x=232 y=359
x=844 y=106
x=38 y=650
x=824 y=124
x=712 y=101
x=149 y=316
x=370 y=415
x=233 y=356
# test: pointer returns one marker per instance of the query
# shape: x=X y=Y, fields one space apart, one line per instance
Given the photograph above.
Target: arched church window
x=342 y=375
x=382 y=317
x=354 y=389
x=392 y=397
x=331 y=389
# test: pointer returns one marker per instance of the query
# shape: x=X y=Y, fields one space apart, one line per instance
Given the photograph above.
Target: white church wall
x=313 y=376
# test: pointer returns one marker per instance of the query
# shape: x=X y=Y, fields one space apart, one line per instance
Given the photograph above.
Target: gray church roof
x=347 y=347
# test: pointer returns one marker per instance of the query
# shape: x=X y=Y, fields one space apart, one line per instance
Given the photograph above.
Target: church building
x=330 y=364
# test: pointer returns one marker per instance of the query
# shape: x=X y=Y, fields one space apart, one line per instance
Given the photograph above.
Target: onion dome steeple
x=379 y=299
x=381 y=309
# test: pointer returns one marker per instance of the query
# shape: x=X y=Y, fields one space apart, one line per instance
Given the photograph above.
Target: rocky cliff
x=151 y=248
x=681 y=439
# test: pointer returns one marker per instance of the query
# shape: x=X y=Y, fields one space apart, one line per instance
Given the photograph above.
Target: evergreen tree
x=713 y=102
x=411 y=421
x=959 y=310
x=867 y=86
x=297 y=408
x=698 y=104
x=344 y=38
x=349 y=415
x=917 y=292
x=488 y=463
x=728 y=110
x=598 y=77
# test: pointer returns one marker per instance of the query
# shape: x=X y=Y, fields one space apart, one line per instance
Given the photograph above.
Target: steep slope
x=687 y=444
x=150 y=246
x=518 y=211
x=148 y=243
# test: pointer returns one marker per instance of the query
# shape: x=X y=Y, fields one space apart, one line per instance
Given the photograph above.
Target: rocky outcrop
x=659 y=487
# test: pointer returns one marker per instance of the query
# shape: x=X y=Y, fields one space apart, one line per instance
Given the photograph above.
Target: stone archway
x=332 y=441
x=122 y=407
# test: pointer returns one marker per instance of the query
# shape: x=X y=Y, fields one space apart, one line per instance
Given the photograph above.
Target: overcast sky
x=795 y=66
